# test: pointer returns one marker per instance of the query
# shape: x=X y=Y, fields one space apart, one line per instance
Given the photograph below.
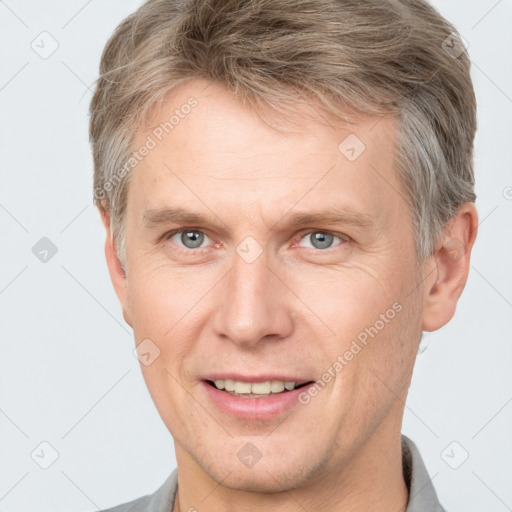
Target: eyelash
x=198 y=251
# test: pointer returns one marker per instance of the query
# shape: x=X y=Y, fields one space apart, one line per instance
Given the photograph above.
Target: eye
x=188 y=238
x=320 y=239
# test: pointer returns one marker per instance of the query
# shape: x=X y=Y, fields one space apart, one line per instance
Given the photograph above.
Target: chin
x=264 y=477
x=262 y=480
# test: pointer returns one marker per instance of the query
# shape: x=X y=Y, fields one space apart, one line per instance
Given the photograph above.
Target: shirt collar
x=422 y=495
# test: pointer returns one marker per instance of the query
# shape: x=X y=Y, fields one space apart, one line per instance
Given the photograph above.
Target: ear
x=450 y=268
x=117 y=274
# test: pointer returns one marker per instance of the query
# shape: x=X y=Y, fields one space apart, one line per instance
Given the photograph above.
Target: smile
x=255 y=389
x=264 y=400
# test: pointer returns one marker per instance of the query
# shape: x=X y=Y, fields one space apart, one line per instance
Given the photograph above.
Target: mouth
x=265 y=389
x=268 y=396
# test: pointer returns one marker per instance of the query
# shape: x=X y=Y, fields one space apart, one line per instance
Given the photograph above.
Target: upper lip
x=256 y=378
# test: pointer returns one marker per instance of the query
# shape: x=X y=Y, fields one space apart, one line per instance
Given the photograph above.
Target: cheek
x=391 y=353
x=367 y=323
x=162 y=311
x=344 y=301
x=161 y=298
x=168 y=307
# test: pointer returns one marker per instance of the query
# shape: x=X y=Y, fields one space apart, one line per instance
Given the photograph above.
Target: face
x=266 y=257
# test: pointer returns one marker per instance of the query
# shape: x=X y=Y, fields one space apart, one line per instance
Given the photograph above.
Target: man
x=288 y=194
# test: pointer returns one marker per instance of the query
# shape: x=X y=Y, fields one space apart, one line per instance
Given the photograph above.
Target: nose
x=253 y=304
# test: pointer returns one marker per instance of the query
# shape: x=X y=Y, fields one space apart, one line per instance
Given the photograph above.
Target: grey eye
x=319 y=240
x=192 y=239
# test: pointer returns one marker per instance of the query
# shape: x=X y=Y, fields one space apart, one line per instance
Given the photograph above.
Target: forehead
x=207 y=145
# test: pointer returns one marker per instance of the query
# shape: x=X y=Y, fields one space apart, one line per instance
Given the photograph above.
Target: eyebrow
x=160 y=216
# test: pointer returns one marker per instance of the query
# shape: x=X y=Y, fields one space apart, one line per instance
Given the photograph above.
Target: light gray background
x=68 y=375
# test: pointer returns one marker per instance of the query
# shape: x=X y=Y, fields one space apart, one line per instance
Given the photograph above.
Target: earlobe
x=116 y=271
x=451 y=262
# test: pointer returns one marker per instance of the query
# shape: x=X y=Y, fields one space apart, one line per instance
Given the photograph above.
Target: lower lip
x=254 y=408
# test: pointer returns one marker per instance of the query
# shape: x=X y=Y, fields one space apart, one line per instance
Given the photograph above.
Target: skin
x=294 y=309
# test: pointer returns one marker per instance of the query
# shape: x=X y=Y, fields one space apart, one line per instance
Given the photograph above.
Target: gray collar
x=422 y=495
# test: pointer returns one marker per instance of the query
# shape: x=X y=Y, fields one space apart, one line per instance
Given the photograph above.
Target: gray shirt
x=422 y=495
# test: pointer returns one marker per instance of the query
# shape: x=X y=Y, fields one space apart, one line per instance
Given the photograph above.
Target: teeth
x=242 y=387
x=220 y=384
x=277 y=386
x=255 y=388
